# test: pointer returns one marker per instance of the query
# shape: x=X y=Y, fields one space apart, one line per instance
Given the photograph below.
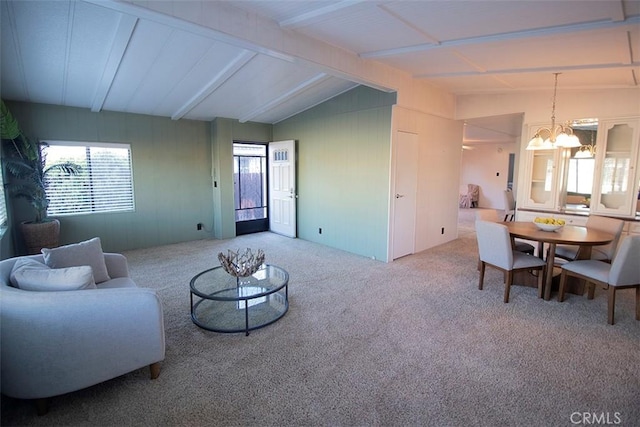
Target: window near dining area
x=105 y=183
x=615 y=175
x=580 y=167
x=580 y=176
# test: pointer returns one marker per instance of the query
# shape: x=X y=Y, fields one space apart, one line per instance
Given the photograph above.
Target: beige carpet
x=365 y=343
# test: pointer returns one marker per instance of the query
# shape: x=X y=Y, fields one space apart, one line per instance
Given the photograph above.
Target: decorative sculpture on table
x=241 y=264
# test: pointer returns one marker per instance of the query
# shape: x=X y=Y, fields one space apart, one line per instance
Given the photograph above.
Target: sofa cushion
x=31 y=275
x=83 y=253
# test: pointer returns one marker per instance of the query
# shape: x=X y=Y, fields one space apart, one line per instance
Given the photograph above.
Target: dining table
x=583 y=237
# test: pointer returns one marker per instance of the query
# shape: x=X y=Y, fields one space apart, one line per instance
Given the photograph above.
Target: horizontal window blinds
x=3 y=204
x=105 y=182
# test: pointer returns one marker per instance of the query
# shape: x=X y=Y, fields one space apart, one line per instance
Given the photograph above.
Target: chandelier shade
x=555 y=136
x=585 y=152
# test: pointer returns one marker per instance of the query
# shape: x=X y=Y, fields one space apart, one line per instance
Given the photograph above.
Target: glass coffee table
x=223 y=303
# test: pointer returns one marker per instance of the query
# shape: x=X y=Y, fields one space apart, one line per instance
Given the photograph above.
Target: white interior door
x=282 y=187
x=404 y=197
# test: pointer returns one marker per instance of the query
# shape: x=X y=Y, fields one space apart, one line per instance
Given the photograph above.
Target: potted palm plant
x=25 y=163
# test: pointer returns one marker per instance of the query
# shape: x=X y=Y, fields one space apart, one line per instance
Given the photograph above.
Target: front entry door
x=282 y=188
x=250 y=187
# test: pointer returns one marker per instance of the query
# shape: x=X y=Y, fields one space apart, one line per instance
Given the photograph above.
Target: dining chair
x=494 y=246
x=602 y=253
x=492 y=216
x=622 y=273
x=509 y=205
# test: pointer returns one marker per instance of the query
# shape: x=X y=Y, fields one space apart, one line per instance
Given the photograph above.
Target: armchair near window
x=469 y=199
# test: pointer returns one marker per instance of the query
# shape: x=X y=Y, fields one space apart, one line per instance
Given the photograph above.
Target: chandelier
x=586 y=151
x=556 y=136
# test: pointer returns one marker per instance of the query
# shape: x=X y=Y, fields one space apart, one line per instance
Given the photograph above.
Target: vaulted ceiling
x=130 y=57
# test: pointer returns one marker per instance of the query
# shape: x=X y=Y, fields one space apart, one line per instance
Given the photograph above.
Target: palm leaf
x=8 y=123
x=19 y=168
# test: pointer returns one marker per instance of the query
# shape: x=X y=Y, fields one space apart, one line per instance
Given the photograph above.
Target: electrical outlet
x=199 y=226
x=442 y=230
x=319 y=230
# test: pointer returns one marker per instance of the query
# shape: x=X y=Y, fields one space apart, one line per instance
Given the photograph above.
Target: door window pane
x=250 y=168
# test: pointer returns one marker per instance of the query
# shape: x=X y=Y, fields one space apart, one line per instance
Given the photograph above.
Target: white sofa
x=58 y=342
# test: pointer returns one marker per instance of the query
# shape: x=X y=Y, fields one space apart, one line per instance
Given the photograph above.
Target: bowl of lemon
x=548 y=224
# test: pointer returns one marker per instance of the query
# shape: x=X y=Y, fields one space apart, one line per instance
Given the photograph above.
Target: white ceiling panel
x=281 y=11
x=87 y=52
x=256 y=84
x=13 y=82
x=302 y=101
x=571 y=50
x=43 y=48
x=180 y=53
x=344 y=28
x=453 y=20
x=201 y=77
x=146 y=45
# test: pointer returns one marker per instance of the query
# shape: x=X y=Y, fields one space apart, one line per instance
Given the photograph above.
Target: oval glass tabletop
x=225 y=303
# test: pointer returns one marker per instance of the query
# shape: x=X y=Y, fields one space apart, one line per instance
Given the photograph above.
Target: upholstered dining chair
x=492 y=215
x=602 y=253
x=622 y=273
x=509 y=205
x=494 y=246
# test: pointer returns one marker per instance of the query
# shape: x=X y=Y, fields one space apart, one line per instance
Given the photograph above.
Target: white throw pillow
x=83 y=253
x=31 y=275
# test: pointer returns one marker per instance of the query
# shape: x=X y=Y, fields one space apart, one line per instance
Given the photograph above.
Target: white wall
x=487 y=165
x=571 y=104
x=440 y=146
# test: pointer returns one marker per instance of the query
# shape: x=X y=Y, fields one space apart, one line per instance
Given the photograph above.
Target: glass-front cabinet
x=615 y=190
x=542 y=174
x=542 y=190
x=599 y=177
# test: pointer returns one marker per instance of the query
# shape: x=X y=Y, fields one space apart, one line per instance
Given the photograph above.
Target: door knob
x=399 y=195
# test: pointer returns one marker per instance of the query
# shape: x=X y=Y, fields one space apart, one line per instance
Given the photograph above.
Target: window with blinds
x=105 y=183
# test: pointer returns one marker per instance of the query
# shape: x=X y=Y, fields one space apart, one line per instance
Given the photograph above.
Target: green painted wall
x=344 y=149
x=171 y=166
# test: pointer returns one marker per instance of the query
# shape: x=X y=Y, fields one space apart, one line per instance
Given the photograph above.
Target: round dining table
x=583 y=237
